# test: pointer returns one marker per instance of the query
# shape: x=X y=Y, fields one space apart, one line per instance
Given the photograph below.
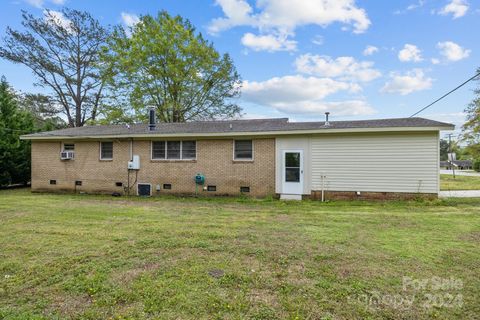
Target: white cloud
x=338 y=108
x=411 y=81
x=411 y=7
x=299 y=94
x=268 y=42
x=57 y=18
x=458 y=8
x=435 y=61
x=417 y=5
x=35 y=3
x=344 y=68
x=129 y=19
x=410 y=52
x=282 y=17
x=237 y=13
x=287 y=15
x=318 y=40
x=452 y=51
x=369 y=50
x=40 y=3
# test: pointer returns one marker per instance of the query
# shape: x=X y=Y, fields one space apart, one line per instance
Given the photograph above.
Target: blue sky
x=298 y=59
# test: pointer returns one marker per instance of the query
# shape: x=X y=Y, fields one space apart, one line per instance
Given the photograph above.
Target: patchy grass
x=98 y=257
x=447 y=182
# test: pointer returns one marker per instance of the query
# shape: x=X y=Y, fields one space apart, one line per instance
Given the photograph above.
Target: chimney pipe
x=326 y=118
x=152 y=121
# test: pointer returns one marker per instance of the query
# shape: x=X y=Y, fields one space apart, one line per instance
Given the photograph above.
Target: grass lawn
x=447 y=182
x=98 y=257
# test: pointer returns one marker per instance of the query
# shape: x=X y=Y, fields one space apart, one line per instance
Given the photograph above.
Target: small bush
x=476 y=165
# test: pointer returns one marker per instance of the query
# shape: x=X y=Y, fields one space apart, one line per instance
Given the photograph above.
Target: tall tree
x=163 y=62
x=43 y=109
x=471 y=128
x=62 y=50
x=14 y=153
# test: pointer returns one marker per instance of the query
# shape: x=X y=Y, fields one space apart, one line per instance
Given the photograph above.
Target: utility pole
x=451 y=153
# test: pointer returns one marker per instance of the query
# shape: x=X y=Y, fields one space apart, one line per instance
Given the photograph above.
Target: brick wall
x=214 y=160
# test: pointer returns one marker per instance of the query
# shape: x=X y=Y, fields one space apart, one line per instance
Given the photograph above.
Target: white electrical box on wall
x=135 y=163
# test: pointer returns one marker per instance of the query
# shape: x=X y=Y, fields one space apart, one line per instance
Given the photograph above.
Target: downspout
x=128 y=170
x=131 y=149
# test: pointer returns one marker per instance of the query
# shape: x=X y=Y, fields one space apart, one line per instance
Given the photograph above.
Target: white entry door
x=292 y=168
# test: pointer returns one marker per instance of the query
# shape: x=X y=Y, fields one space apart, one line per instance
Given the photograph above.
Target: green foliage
x=14 y=153
x=44 y=111
x=444 y=149
x=462 y=153
x=476 y=165
x=163 y=62
x=471 y=128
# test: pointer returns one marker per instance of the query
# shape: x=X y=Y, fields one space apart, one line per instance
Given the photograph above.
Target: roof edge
x=245 y=133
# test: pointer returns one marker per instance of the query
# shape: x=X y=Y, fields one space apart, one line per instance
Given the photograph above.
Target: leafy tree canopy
x=471 y=128
x=14 y=153
x=162 y=62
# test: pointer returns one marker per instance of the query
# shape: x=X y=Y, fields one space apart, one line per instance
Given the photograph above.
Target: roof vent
x=327 y=123
x=151 y=118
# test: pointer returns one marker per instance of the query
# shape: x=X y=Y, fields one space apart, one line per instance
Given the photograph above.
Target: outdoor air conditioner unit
x=67 y=155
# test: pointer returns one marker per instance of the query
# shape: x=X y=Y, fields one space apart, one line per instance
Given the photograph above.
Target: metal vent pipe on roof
x=326 y=118
x=152 y=121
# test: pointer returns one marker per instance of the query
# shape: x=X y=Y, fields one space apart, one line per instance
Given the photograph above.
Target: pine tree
x=14 y=153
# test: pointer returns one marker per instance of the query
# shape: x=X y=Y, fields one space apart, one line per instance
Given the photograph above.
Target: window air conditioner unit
x=67 y=155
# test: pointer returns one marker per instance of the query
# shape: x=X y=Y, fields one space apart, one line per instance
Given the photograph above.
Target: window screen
x=68 y=147
x=158 y=150
x=106 y=150
x=243 y=150
x=173 y=149
x=189 y=150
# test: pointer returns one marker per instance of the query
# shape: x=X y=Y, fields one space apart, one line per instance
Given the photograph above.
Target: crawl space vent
x=144 y=189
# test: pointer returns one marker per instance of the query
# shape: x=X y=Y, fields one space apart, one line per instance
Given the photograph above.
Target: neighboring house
x=459 y=164
x=387 y=158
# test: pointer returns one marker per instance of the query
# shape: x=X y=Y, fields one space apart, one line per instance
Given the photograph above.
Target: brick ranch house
x=387 y=158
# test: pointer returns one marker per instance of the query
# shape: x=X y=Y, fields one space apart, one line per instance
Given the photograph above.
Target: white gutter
x=240 y=134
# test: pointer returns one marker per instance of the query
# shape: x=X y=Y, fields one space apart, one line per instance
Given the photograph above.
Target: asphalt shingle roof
x=232 y=126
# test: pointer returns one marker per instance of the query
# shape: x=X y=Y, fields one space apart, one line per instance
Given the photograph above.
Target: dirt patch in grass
x=128 y=276
x=473 y=236
x=68 y=306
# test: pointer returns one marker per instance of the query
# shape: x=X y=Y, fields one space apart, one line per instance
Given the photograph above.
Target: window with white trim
x=174 y=150
x=158 y=149
x=243 y=150
x=68 y=147
x=189 y=150
x=106 y=150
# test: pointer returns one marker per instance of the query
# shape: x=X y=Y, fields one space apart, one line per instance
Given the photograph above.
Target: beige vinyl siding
x=386 y=162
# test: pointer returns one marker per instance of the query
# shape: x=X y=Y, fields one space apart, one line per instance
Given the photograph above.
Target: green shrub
x=476 y=165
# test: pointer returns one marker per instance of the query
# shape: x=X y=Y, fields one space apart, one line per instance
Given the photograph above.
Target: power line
x=446 y=94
